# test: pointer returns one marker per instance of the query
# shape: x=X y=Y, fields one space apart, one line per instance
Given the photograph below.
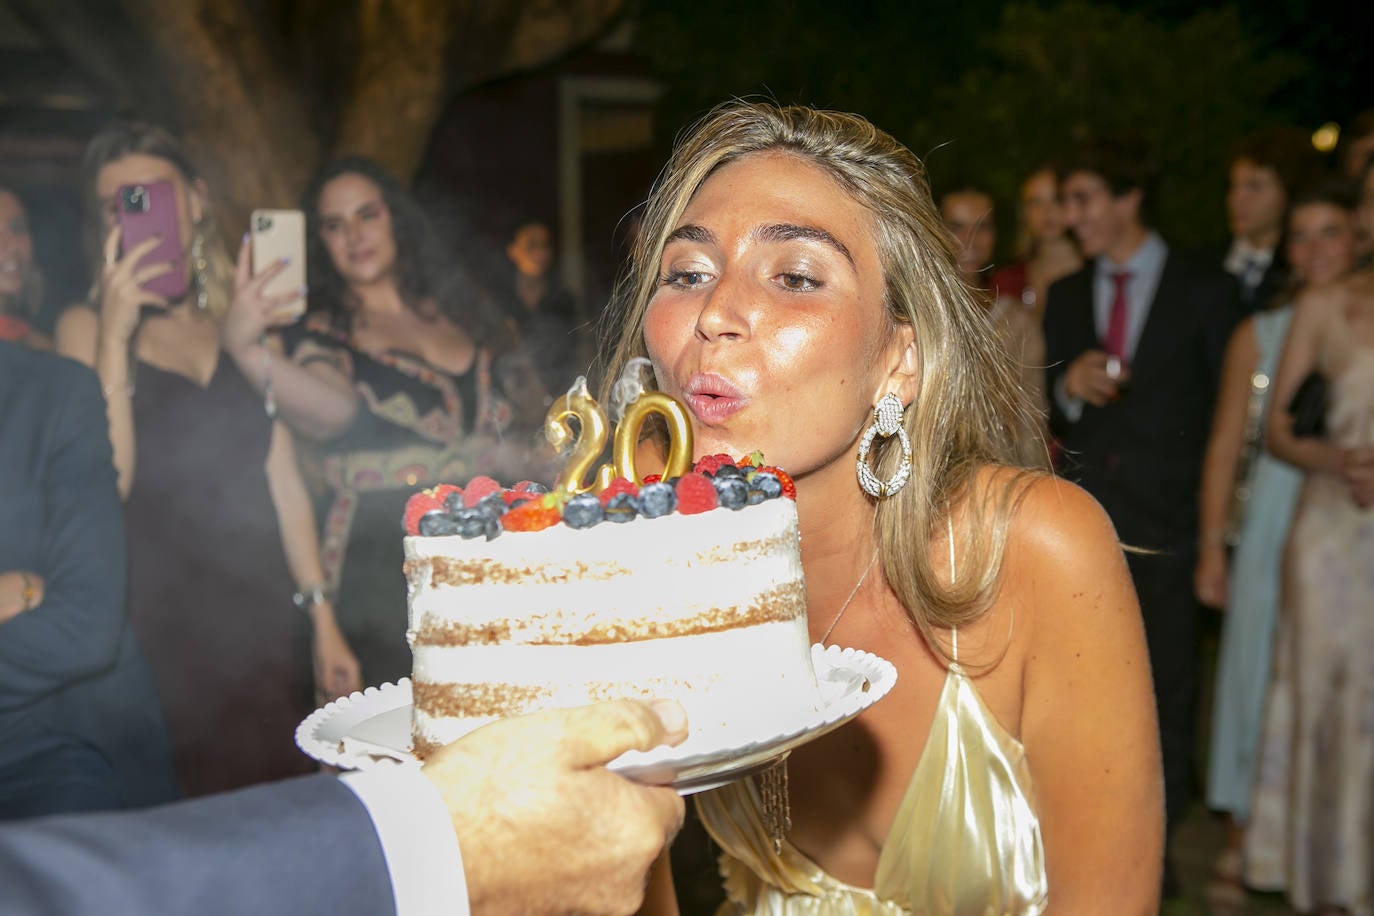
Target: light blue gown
x=1247 y=635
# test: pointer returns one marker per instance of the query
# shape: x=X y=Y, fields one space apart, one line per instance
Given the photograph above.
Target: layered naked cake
x=659 y=592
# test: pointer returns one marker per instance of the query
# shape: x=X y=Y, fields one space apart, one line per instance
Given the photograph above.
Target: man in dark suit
x=519 y=817
x=1134 y=343
x=80 y=725
x=1265 y=170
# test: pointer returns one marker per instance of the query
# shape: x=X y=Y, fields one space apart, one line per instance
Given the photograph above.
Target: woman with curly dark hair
x=427 y=279
x=391 y=372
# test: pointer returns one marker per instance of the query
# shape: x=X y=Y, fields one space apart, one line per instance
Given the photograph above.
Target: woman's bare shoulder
x=1060 y=544
x=1047 y=513
x=75 y=333
x=1063 y=551
x=1360 y=284
x=1054 y=513
x=78 y=315
x=1317 y=302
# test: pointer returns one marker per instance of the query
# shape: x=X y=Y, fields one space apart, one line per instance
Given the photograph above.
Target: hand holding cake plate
x=372 y=728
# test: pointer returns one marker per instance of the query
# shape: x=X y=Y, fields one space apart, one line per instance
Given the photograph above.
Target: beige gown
x=1311 y=830
x=965 y=840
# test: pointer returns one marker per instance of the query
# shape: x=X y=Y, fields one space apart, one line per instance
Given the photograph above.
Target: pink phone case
x=151 y=209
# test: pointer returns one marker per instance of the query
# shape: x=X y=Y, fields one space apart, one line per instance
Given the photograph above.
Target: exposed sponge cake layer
x=751 y=684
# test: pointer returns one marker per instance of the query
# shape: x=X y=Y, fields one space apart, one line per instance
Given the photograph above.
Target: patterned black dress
x=416 y=426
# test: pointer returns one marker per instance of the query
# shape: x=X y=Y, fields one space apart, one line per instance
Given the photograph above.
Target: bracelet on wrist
x=269 y=398
x=309 y=597
x=127 y=389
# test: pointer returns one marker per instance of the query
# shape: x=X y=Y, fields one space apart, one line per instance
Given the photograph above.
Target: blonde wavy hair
x=127 y=138
x=968 y=400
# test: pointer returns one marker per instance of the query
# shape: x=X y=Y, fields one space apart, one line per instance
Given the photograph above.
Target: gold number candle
x=591 y=438
x=679 y=434
x=585 y=445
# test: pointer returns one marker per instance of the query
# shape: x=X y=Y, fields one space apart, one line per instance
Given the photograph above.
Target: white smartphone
x=280 y=234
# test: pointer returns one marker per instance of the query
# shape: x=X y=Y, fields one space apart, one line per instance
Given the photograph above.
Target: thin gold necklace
x=857 y=585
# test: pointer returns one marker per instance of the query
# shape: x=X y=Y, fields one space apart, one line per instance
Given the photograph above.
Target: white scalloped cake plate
x=372 y=728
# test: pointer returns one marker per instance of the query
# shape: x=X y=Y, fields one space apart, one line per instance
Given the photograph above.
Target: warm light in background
x=1324 y=138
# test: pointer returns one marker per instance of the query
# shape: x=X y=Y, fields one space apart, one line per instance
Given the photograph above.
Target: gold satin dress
x=965 y=840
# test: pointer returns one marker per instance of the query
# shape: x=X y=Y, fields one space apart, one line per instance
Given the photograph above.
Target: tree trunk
x=398 y=84
x=256 y=89
x=243 y=120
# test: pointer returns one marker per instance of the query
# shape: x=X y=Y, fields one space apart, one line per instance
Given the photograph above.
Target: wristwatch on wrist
x=27 y=592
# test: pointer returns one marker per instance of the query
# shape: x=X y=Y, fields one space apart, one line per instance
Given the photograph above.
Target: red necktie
x=1115 y=340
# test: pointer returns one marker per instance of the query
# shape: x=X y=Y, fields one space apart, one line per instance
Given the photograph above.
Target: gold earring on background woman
x=199 y=269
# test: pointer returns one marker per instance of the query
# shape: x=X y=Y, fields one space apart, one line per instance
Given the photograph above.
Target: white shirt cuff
x=1072 y=408
x=418 y=842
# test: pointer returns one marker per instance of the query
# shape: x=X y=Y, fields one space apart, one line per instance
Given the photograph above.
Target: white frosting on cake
x=708 y=609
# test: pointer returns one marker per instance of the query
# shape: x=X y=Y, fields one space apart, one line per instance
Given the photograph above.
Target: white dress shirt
x=1146 y=266
x=1247 y=263
x=418 y=842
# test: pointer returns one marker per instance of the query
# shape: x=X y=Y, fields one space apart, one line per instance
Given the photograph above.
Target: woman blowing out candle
x=794 y=287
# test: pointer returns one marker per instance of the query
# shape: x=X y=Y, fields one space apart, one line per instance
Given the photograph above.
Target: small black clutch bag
x=1308 y=407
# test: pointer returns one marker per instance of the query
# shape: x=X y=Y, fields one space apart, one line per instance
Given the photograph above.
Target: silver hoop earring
x=887 y=422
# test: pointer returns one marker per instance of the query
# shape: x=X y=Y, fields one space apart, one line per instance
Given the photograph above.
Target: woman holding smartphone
x=391 y=373
x=221 y=533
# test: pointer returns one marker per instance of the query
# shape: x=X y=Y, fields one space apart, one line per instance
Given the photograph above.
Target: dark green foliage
x=986 y=91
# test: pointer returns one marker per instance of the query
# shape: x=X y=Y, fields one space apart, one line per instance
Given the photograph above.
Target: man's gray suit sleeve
x=300 y=846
